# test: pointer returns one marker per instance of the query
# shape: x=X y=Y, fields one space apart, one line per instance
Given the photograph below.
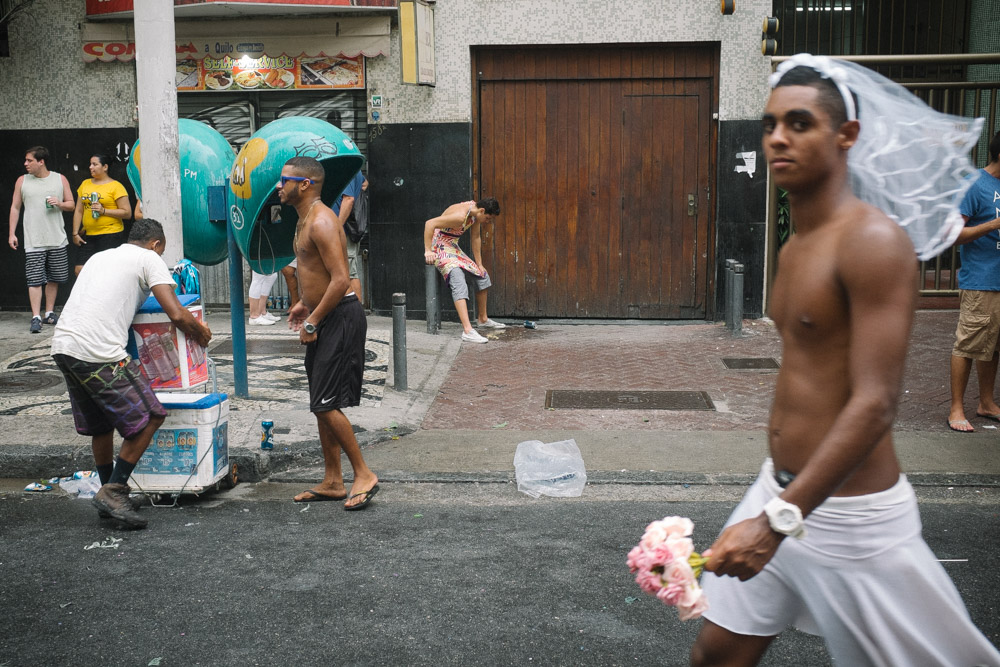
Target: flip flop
x=369 y=494
x=993 y=417
x=952 y=423
x=317 y=497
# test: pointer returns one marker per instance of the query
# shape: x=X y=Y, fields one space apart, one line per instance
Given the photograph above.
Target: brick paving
x=503 y=384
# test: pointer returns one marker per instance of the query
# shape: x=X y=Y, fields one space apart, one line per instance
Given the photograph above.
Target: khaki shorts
x=978 y=325
x=353 y=259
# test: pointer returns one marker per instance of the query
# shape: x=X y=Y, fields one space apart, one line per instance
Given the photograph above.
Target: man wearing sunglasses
x=332 y=325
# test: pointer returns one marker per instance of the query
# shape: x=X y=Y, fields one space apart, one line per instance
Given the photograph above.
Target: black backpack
x=356 y=226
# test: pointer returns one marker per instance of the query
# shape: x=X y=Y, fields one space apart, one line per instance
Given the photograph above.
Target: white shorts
x=863 y=578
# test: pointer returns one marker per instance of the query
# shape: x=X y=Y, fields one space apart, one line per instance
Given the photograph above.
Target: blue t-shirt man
x=353 y=189
x=981 y=257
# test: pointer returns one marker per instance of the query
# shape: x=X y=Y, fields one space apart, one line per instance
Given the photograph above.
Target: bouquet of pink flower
x=666 y=565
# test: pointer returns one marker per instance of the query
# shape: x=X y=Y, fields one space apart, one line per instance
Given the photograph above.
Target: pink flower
x=666 y=565
x=658 y=532
x=671 y=594
x=649 y=582
x=677 y=525
x=637 y=559
x=682 y=547
x=662 y=554
x=695 y=609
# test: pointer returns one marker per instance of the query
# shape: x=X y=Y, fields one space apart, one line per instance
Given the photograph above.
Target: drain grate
x=573 y=399
x=751 y=363
x=31 y=383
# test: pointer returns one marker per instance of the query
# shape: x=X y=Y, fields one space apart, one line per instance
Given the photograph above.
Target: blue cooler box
x=190 y=451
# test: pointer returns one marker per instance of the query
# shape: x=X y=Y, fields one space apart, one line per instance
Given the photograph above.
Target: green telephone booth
x=264 y=229
x=206 y=158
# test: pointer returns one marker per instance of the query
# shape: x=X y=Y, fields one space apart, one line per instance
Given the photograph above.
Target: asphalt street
x=431 y=573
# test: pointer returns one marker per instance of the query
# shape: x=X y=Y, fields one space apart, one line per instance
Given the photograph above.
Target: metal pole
x=240 y=380
x=737 y=299
x=433 y=306
x=727 y=305
x=399 y=341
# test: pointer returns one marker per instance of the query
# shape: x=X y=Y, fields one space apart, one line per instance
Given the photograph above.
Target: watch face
x=785 y=519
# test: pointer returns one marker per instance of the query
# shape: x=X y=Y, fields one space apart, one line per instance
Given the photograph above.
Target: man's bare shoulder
x=322 y=220
x=870 y=229
x=872 y=244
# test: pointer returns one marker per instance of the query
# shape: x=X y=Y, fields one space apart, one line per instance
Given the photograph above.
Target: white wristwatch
x=785 y=518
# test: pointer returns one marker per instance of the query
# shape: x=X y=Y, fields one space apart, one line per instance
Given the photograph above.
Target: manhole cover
x=751 y=364
x=30 y=383
x=283 y=347
x=627 y=400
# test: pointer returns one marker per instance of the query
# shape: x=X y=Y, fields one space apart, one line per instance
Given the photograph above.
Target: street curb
x=253 y=465
x=307 y=475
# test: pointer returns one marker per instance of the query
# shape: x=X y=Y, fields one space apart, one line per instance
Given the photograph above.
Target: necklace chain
x=298 y=225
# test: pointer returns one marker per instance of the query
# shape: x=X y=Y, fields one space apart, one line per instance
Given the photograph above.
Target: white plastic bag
x=551 y=469
x=83 y=484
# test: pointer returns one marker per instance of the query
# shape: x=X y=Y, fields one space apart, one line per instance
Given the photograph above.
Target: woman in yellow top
x=101 y=207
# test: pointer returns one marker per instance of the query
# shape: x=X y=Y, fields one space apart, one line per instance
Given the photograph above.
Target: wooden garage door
x=601 y=159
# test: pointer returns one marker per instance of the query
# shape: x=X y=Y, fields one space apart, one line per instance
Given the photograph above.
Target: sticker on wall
x=749 y=165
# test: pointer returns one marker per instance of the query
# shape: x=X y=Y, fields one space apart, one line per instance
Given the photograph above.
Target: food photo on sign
x=218 y=80
x=269 y=73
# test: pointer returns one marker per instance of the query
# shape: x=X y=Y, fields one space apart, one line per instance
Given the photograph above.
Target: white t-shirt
x=95 y=321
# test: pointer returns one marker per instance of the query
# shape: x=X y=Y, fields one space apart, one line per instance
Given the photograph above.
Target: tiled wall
x=45 y=82
x=459 y=24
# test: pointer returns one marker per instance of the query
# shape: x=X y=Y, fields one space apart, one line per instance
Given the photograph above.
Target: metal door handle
x=692 y=206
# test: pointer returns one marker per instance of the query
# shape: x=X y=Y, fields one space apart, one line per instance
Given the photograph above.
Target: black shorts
x=335 y=361
x=97 y=243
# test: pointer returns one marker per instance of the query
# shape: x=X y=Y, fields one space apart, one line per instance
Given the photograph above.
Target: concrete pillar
x=156 y=67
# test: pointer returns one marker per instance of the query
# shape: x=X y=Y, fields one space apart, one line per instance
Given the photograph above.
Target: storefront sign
x=108 y=8
x=311 y=53
x=416 y=33
x=270 y=73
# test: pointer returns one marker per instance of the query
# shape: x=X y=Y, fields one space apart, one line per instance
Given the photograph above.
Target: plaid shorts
x=108 y=396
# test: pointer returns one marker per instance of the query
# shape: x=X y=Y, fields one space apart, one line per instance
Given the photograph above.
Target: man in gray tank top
x=44 y=195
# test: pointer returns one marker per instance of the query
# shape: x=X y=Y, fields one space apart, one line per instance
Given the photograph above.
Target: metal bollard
x=737 y=315
x=433 y=305
x=727 y=298
x=399 y=341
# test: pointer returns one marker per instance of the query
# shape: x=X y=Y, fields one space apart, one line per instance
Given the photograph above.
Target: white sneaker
x=261 y=321
x=273 y=318
x=474 y=337
x=490 y=324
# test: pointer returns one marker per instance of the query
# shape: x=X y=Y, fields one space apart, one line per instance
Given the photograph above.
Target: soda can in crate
x=267 y=434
